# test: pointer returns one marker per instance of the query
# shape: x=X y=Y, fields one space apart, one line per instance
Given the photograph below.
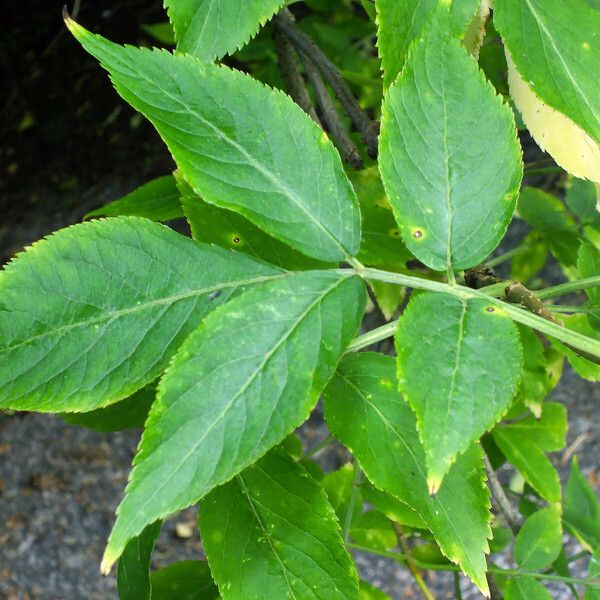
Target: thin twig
x=290 y=71
x=502 y=502
x=516 y=293
x=284 y=21
x=402 y=558
x=319 y=447
x=402 y=542
x=330 y=115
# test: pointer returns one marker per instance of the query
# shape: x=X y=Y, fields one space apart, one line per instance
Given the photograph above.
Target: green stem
x=543 y=170
x=320 y=446
x=498 y=260
x=352 y=501
x=373 y=336
x=573 y=338
x=568 y=309
x=403 y=558
x=568 y=288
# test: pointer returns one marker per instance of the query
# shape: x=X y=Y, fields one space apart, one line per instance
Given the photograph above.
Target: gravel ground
x=60 y=484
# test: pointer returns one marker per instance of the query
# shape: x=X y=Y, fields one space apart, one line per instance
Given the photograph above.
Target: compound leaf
x=228 y=229
x=539 y=541
x=524 y=443
x=246 y=378
x=133 y=577
x=581 y=509
x=184 y=580
x=365 y=411
x=470 y=384
x=157 y=200
x=551 y=220
x=401 y=22
x=581 y=199
x=570 y=146
x=524 y=587
x=94 y=312
x=130 y=413
x=240 y=145
x=556 y=54
x=271 y=533
x=439 y=119
x=593 y=593
x=209 y=29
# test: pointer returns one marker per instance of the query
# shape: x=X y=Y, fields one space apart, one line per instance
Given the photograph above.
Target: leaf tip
x=108 y=560
x=433 y=484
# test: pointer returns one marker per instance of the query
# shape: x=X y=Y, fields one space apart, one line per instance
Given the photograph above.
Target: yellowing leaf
x=570 y=146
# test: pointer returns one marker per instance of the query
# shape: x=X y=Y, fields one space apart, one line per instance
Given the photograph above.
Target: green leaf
x=539 y=371
x=381 y=243
x=588 y=265
x=209 y=29
x=526 y=265
x=593 y=593
x=94 y=312
x=374 y=530
x=549 y=217
x=581 y=509
x=130 y=413
x=502 y=537
x=523 y=443
x=133 y=578
x=539 y=541
x=470 y=384
x=162 y=32
x=214 y=225
x=439 y=119
x=401 y=22
x=389 y=297
x=339 y=485
x=548 y=432
x=281 y=172
x=581 y=199
x=271 y=533
x=523 y=587
x=370 y=592
x=393 y=508
x=247 y=377
x=157 y=200
x=581 y=324
x=556 y=54
x=184 y=580
x=366 y=413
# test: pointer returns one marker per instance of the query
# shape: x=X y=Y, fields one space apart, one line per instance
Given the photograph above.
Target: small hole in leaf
x=490 y=309
x=236 y=240
x=418 y=234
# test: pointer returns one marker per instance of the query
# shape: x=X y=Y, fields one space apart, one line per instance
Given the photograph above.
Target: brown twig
x=290 y=71
x=517 y=293
x=403 y=543
x=500 y=499
x=284 y=21
x=330 y=115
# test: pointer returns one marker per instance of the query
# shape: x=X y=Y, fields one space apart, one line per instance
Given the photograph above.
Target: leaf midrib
x=267 y=535
x=389 y=425
x=167 y=300
x=285 y=336
x=269 y=175
x=568 y=72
